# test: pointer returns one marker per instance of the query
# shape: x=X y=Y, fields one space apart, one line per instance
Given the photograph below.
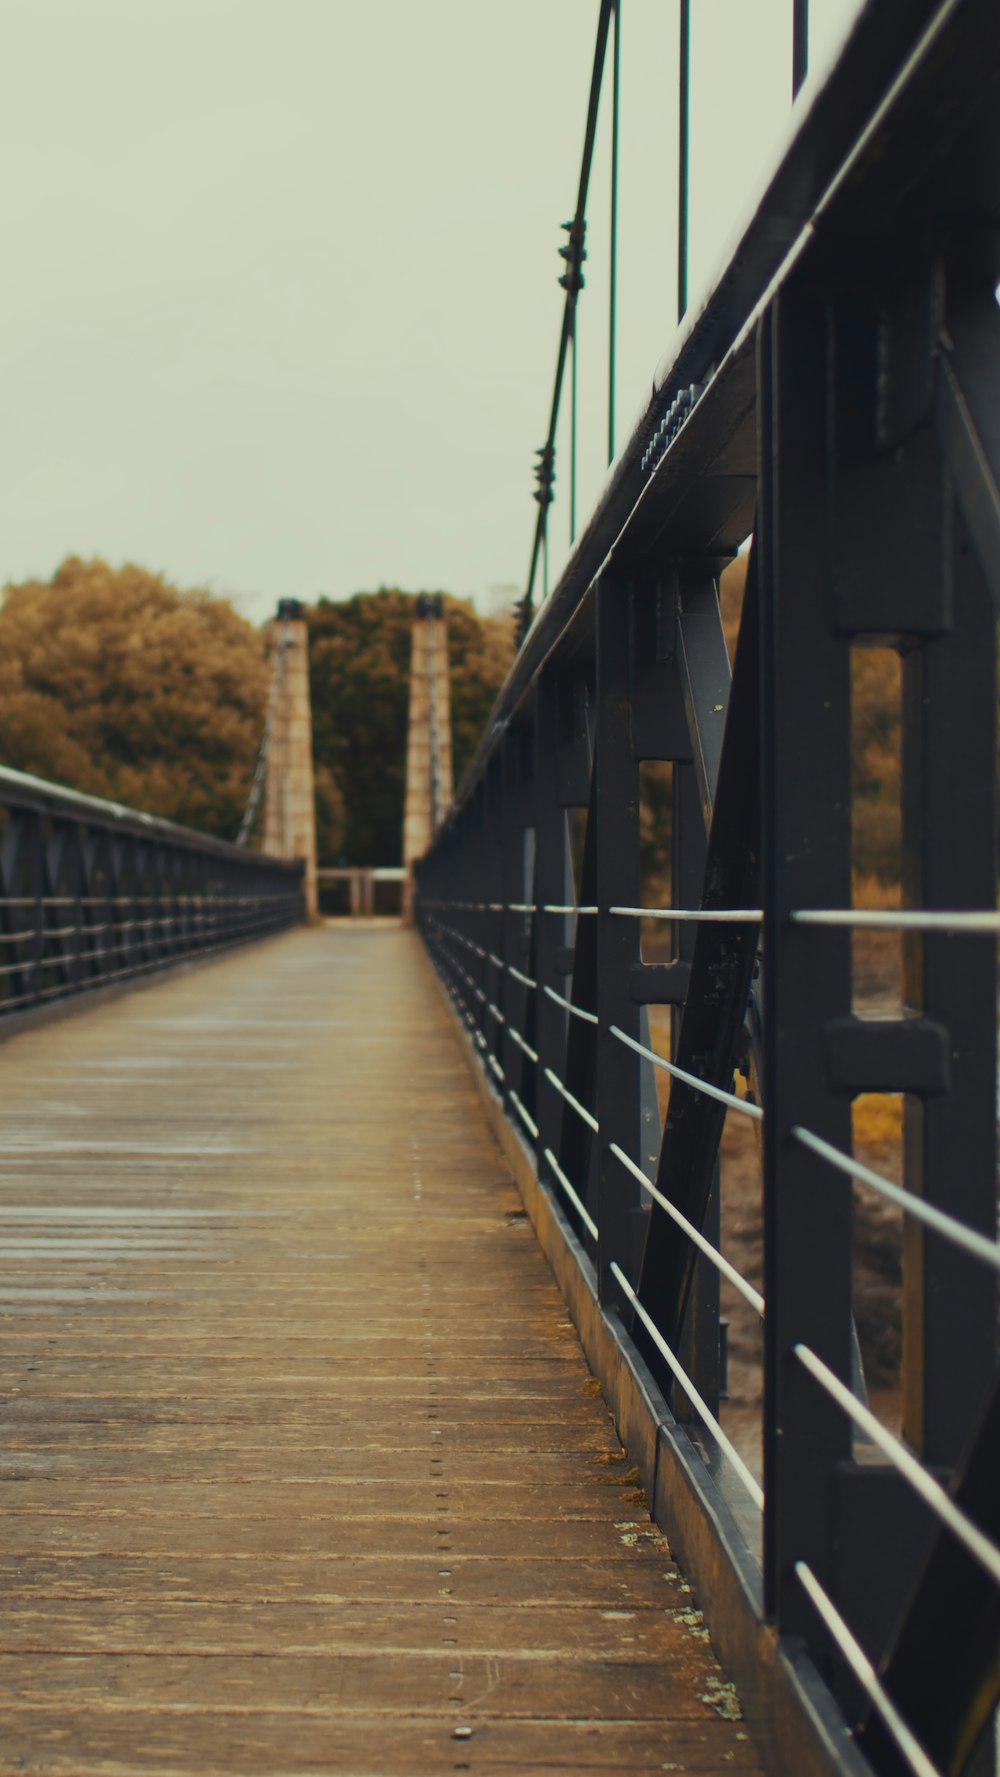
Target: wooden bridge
x=303 y=1469
x=313 y=1458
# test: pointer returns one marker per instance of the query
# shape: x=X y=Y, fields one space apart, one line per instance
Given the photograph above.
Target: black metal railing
x=836 y=400
x=92 y=893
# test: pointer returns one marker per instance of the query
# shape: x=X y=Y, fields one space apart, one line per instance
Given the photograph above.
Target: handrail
x=20 y=789
x=93 y=893
x=834 y=395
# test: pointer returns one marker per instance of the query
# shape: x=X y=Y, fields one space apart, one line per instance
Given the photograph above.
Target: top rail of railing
x=22 y=790
x=93 y=893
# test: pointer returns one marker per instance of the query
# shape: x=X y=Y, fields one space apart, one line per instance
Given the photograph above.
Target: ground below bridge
x=302 y=1469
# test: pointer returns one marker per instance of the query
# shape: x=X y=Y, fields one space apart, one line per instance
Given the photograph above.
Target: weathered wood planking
x=301 y=1466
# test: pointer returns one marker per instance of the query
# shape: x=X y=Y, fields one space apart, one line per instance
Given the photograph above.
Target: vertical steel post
x=619 y=1100
x=949 y=840
x=514 y=996
x=806 y=788
x=553 y=887
x=699 y=1349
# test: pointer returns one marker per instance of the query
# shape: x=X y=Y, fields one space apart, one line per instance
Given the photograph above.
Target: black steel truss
x=843 y=393
x=92 y=893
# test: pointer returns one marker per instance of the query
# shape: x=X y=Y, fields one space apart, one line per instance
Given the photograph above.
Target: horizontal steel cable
x=568 y=1096
x=577 y=1011
x=694 y=1234
x=920 y=1479
x=516 y=1037
x=898 y=919
x=680 y=1073
x=518 y=975
x=577 y=1202
x=865 y=1674
x=949 y=1227
x=525 y=1116
x=700 y=1406
x=704 y=915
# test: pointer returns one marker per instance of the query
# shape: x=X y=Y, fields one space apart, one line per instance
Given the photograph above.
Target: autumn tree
x=359 y=663
x=115 y=682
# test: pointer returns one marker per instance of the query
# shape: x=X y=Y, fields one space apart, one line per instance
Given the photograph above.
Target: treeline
x=118 y=683
x=359 y=664
x=115 y=682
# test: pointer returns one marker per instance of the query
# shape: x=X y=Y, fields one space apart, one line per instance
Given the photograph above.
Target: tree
x=359 y=663
x=115 y=682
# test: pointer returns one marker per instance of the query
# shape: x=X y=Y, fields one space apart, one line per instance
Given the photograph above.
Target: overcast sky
x=280 y=307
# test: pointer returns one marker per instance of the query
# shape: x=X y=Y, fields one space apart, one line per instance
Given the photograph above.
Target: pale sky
x=280 y=308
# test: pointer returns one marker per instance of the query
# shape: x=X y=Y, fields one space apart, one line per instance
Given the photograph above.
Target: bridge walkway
x=302 y=1468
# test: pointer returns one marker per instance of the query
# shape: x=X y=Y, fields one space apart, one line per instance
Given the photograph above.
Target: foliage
x=359 y=663
x=115 y=682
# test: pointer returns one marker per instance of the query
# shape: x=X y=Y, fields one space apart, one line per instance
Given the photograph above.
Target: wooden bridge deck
x=302 y=1469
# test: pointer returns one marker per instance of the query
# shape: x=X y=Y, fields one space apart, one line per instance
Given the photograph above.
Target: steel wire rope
x=525 y=1116
x=712 y=1253
x=679 y=1073
x=700 y=1406
x=948 y=1226
x=900 y=919
x=577 y=1011
x=922 y=1482
x=572 y=282
x=694 y=915
x=516 y=1037
x=865 y=1673
x=564 y=1091
x=577 y=1201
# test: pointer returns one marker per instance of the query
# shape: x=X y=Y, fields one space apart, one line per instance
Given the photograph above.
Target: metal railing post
x=619 y=1101
x=553 y=887
x=806 y=778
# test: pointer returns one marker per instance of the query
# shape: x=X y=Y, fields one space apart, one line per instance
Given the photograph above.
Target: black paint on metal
x=683 y=154
x=800 y=43
x=837 y=394
x=574 y=253
x=92 y=893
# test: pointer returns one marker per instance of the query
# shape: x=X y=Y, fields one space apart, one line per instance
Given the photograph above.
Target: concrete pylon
x=429 y=786
x=289 y=804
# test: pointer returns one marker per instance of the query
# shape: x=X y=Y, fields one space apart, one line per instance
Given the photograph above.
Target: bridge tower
x=428 y=747
x=289 y=806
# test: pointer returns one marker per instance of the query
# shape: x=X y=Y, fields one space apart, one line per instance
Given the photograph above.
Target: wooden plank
x=416 y=1683
x=503 y=1501
x=206 y=1626
x=124 y=1742
x=327 y=1578
x=300 y=1464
